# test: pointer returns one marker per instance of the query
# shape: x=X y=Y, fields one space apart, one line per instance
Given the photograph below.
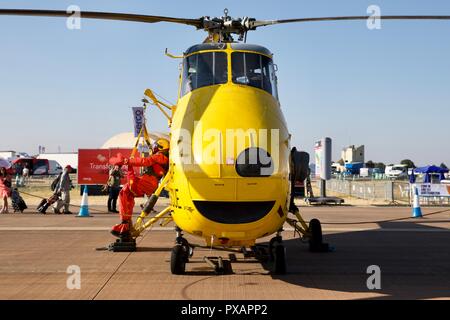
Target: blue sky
x=387 y=89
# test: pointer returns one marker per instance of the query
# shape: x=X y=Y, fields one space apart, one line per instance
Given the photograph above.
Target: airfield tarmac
x=413 y=254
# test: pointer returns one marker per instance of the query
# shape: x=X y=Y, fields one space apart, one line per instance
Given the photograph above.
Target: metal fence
x=369 y=190
x=42 y=181
x=394 y=192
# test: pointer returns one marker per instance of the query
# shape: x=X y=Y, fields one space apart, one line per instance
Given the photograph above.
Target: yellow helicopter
x=232 y=168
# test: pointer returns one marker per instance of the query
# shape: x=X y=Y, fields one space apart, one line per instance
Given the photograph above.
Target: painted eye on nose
x=254 y=162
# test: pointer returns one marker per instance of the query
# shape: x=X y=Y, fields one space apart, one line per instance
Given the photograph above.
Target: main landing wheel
x=316 y=241
x=178 y=259
x=180 y=255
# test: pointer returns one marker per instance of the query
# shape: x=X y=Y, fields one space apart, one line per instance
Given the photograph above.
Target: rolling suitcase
x=45 y=203
x=18 y=203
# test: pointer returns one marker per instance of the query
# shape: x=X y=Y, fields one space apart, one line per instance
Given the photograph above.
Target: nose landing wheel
x=178 y=260
x=181 y=253
x=277 y=254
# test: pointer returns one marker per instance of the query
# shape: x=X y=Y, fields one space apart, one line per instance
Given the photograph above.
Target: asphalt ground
x=413 y=256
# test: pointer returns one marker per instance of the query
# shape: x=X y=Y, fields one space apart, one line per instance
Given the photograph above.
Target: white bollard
x=417 y=211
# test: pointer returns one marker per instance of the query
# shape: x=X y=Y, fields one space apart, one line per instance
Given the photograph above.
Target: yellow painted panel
x=212 y=189
x=233 y=235
x=262 y=189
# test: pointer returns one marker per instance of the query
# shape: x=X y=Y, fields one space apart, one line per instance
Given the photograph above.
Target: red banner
x=93 y=165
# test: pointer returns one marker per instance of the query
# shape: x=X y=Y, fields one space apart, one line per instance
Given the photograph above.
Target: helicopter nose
x=254 y=162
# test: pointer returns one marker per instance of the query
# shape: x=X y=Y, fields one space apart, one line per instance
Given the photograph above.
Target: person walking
x=115 y=175
x=5 y=189
x=19 y=171
x=63 y=189
x=25 y=175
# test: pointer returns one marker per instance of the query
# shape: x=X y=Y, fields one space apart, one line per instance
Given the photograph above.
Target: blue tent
x=428 y=170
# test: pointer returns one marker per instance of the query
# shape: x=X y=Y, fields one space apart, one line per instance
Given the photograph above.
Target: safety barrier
x=391 y=191
x=43 y=181
x=369 y=190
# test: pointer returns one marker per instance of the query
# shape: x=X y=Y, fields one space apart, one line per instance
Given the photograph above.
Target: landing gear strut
x=313 y=232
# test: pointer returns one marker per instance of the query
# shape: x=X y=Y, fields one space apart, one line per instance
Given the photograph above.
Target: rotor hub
x=222 y=29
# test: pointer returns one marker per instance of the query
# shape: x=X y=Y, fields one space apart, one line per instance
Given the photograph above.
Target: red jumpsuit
x=145 y=184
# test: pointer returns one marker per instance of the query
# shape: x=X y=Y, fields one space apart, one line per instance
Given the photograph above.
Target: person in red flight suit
x=156 y=167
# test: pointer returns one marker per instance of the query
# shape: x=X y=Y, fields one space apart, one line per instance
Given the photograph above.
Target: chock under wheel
x=123 y=245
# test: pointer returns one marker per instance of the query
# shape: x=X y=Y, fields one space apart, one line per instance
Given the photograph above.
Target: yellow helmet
x=161 y=145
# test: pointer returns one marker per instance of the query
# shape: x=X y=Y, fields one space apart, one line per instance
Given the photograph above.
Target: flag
x=138 y=118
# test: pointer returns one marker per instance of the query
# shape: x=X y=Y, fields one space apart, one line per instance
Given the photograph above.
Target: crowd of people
x=61 y=187
x=155 y=166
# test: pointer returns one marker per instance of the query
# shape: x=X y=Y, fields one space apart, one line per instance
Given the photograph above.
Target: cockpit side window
x=204 y=69
x=254 y=70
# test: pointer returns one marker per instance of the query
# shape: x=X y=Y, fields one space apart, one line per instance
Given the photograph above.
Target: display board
x=322 y=151
x=93 y=165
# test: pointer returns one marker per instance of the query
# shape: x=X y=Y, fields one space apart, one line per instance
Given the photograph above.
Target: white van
x=395 y=170
x=54 y=168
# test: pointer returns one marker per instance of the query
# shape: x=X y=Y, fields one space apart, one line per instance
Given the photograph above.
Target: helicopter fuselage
x=229 y=158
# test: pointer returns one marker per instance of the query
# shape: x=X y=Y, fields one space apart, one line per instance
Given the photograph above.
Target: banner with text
x=93 y=165
x=138 y=118
x=433 y=190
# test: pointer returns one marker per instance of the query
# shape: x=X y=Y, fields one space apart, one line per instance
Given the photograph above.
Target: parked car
x=54 y=168
x=377 y=171
x=396 y=171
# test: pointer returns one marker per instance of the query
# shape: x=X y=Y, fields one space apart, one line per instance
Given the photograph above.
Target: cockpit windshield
x=204 y=69
x=201 y=69
x=254 y=70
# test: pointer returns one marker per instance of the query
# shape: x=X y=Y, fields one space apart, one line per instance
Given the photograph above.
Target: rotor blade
x=101 y=15
x=261 y=23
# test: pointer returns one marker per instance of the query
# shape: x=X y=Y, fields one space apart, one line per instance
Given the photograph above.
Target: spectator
x=63 y=188
x=19 y=171
x=5 y=189
x=115 y=175
x=25 y=174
